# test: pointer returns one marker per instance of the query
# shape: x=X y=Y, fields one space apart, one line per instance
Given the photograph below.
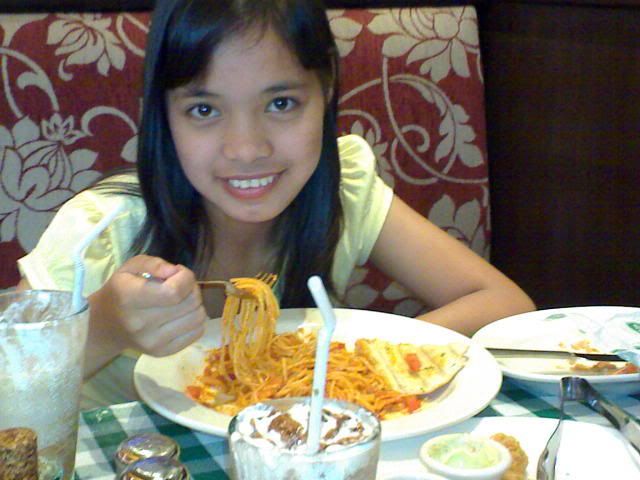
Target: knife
x=518 y=352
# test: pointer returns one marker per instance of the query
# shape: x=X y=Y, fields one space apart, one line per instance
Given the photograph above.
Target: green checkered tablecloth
x=206 y=456
x=102 y=430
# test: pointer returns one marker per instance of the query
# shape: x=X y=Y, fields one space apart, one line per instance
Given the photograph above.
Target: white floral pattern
x=10 y=24
x=345 y=31
x=46 y=156
x=411 y=85
x=440 y=38
x=37 y=173
x=463 y=223
x=379 y=147
x=85 y=39
x=444 y=42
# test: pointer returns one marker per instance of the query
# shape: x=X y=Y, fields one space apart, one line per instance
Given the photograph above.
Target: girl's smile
x=251 y=187
x=249 y=132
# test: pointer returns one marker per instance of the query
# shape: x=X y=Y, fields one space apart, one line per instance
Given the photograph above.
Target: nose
x=246 y=140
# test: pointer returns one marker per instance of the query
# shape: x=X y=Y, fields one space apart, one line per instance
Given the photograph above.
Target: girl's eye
x=281 y=104
x=203 y=111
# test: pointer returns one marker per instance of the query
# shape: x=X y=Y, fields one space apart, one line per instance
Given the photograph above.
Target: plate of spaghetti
x=415 y=376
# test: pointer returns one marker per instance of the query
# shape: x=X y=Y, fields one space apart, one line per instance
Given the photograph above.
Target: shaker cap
x=155 y=468
x=142 y=446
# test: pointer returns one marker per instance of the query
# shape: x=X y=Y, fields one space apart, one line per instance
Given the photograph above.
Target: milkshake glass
x=42 y=344
x=350 y=442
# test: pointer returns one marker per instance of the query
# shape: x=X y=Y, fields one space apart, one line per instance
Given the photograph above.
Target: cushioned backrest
x=411 y=84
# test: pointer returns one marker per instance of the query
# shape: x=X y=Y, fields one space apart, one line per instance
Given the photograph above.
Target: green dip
x=464 y=451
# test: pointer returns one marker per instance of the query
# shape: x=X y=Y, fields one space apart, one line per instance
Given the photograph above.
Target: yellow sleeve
x=366 y=200
x=50 y=265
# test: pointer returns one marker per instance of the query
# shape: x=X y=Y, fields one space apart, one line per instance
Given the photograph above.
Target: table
x=206 y=456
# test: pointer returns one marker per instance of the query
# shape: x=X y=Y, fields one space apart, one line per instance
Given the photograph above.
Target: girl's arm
x=157 y=318
x=464 y=290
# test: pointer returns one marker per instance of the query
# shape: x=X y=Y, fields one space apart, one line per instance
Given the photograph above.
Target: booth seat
x=410 y=83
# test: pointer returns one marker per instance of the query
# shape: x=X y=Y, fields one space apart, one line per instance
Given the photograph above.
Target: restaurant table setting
x=474 y=391
x=489 y=395
x=504 y=386
x=514 y=409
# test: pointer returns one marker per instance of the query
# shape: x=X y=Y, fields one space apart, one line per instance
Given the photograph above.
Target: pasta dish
x=255 y=364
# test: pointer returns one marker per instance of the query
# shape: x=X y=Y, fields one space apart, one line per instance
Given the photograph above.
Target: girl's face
x=249 y=134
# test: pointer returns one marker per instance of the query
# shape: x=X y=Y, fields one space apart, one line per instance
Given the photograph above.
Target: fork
x=229 y=287
x=546 y=469
x=268 y=278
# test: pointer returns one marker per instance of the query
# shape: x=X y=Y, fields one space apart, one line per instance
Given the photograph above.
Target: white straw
x=78 y=254
x=322 y=356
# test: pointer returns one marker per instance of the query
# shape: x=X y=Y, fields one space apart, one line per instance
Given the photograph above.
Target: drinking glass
x=42 y=343
x=252 y=459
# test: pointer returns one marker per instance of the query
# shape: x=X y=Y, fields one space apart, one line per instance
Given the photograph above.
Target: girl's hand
x=156 y=317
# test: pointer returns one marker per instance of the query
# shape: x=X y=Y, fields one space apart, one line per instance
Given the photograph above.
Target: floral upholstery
x=410 y=83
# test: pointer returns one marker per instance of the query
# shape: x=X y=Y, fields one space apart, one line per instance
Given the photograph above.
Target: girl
x=239 y=172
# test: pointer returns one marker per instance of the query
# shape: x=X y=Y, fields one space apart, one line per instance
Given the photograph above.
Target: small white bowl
x=443 y=455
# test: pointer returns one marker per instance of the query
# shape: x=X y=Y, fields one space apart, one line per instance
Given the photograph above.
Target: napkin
x=620 y=334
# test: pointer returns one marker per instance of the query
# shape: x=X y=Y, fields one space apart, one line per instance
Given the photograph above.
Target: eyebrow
x=196 y=91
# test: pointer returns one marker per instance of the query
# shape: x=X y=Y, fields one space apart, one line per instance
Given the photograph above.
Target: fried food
x=18 y=454
x=519 y=460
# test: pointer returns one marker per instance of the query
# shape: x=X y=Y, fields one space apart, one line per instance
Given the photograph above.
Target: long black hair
x=183 y=37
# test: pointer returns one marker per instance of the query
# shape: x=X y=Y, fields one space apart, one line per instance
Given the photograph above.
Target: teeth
x=252 y=183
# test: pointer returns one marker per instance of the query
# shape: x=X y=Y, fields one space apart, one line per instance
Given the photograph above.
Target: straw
x=322 y=356
x=78 y=281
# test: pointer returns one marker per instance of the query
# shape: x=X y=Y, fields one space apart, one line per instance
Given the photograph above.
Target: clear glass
x=358 y=461
x=42 y=344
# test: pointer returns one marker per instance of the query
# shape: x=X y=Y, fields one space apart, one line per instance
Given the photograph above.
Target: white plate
x=587 y=451
x=161 y=382
x=546 y=330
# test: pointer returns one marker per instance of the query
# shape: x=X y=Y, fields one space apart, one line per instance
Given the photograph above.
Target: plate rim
x=554 y=378
x=491 y=380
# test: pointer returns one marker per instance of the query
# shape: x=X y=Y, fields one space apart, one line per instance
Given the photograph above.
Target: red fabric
x=410 y=83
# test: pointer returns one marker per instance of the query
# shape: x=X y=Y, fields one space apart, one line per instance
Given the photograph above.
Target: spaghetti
x=255 y=364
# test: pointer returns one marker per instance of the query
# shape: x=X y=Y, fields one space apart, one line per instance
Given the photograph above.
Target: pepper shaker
x=144 y=446
x=155 y=468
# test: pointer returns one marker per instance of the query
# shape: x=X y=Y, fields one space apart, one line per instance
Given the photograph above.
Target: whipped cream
x=270 y=442
x=265 y=424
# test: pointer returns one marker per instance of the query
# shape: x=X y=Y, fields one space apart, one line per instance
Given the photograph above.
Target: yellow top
x=365 y=199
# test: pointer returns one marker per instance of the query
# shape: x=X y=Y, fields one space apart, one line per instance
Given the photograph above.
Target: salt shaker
x=143 y=446
x=155 y=468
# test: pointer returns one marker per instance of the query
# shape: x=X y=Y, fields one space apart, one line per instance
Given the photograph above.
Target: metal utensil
x=268 y=278
x=229 y=287
x=530 y=353
x=626 y=424
x=144 y=445
x=546 y=469
x=579 y=389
